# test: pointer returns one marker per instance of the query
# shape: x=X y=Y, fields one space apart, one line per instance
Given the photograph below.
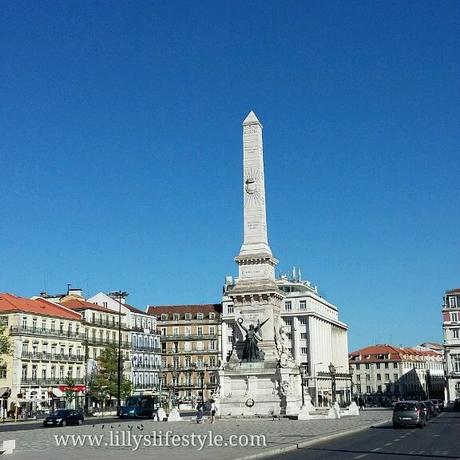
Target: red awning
x=76 y=388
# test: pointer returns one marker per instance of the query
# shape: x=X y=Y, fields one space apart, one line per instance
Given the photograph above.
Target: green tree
x=104 y=382
x=69 y=393
x=5 y=344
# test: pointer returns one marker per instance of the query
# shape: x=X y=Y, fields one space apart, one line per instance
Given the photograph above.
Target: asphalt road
x=440 y=439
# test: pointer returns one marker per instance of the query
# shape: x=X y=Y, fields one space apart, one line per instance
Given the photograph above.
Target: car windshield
x=132 y=401
x=404 y=406
x=428 y=403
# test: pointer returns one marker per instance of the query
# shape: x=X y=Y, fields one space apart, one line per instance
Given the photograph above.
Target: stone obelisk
x=256 y=380
x=256 y=296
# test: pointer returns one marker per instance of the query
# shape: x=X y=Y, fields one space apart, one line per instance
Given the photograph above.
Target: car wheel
x=63 y=423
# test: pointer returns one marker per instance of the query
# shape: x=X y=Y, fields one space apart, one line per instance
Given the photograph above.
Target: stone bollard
x=174 y=415
x=8 y=446
x=161 y=414
x=353 y=409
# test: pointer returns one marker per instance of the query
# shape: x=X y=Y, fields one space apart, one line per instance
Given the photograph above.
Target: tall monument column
x=260 y=377
x=255 y=260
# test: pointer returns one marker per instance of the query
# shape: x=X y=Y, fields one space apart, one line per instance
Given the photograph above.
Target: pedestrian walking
x=213 y=410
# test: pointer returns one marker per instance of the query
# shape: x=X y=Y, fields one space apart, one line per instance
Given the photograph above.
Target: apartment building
x=316 y=335
x=451 y=332
x=381 y=372
x=145 y=342
x=47 y=342
x=190 y=351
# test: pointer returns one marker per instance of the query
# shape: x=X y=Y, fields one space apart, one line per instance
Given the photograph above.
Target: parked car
x=63 y=417
x=139 y=406
x=438 y=404
x=408 y=413
x=432 y=408
x=426 y=410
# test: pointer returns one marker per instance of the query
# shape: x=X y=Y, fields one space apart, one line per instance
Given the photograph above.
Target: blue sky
x=121 y=154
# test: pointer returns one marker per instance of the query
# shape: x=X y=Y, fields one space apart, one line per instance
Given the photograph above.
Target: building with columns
x=451 y=331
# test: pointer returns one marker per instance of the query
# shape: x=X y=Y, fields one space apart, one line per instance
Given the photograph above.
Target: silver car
x=408 y=413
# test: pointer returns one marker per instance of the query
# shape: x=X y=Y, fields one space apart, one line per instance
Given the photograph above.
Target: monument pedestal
x=259 y=389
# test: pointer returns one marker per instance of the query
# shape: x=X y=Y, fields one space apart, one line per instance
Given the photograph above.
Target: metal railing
x=45 y=332
x=44 y=356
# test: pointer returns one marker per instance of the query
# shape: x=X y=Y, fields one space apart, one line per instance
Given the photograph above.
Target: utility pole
x=120 y=295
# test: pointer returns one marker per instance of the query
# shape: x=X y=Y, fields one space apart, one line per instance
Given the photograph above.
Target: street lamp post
x=333 y=373
x=302 y=371
x=120 y=295
x=316 y=382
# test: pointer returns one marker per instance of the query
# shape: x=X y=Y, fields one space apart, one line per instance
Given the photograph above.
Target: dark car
x=139 y=406
x=426 y=410
x=408 y=413
x=432 y=408
x=63 y=417
x=438 y=404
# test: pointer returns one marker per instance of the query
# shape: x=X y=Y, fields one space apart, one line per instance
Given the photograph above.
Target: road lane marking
x=396 y=440
x=360 y=456
x=376 y=449
x=388 y=444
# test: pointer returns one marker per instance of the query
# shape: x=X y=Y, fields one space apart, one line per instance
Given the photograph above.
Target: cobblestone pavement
x=41 y=443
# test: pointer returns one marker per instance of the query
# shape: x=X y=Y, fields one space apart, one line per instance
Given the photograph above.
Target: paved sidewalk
x=40 y=444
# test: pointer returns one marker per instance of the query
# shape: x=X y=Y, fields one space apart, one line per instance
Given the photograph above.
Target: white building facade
x=144 y=340
x=451 y=331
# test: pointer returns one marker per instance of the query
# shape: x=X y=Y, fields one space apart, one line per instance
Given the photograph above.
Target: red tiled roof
x=371 y=353
x=134 y=309
x=156 y=310
x=11 y=303
x=80 y=304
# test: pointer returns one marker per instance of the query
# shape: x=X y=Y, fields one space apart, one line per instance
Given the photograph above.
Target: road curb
x=310 y=442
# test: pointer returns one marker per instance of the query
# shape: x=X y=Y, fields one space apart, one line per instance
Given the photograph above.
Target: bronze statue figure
x=251 y=350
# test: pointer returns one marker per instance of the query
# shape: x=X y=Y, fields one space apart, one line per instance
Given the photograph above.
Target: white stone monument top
x=255 y=258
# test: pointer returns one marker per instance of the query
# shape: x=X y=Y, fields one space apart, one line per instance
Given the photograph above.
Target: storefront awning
x=57 y=392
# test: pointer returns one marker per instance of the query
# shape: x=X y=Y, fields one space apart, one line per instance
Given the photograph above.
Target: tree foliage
x=5 y=344
x=104 y=383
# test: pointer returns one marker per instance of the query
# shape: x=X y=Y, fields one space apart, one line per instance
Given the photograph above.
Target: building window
x=303 y=320
x=212 y=361
x=368 y=377
x=377 y=365
x=395 y=365
x=455 y=360
x=187 y=330
x=453 y=302
x=188 y=361
x=3 y=372
x=303 y=350
x=176 y=317
x=230 y=339
x=368 y=389
x=395 y=376
x=164 y=317
x=199 y=346
x=212 y=344
x=175 y=330
x=454 y=316
x=212 y=315
x=357 y=366
x=455 y=334
x=358 y=378
x=379 y=388
x=188 y=316
x=199 y=330
x=387 y=377
x=212 y=330
x=303 y=335
x=287 y=306
x=199 y=316
x=187 y=346
x=367 y=366
x=386 y=365
x=230 y=309
x=303 y=304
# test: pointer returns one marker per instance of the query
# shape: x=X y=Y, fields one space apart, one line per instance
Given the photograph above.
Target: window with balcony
x=34 y=324
x=453 y=302
x=455 y=333
x=176 y=330
x=455 y=361
x=454 y=316
x=230 y=309
x=199 y=346
x=53 y=326
x=288 y=306
x=212 y=330
x=212 y=345
x=303 y=320
x=25 y=347
x=188 y=361
x=43 y=324
x=24 y=322
x=199 y=330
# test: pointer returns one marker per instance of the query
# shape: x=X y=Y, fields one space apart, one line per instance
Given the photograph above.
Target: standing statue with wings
x=251 y=350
